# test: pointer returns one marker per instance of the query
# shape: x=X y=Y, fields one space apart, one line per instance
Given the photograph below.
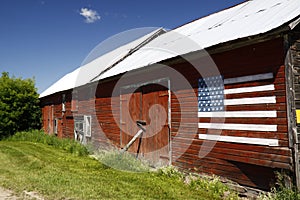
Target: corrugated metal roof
x=247 y=19
x=87 y=72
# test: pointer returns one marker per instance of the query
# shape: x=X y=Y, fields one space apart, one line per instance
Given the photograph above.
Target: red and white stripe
x=237 y=99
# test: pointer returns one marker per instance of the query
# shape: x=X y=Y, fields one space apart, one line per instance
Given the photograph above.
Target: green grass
x=57 y=173
x=37 y=136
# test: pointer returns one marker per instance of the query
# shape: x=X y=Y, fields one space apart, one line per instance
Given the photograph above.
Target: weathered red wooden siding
x=107 y=109
x=251 y=165
x=52 y=109
x=47 y=118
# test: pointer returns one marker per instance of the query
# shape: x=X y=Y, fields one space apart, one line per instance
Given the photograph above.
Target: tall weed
x=281 y=191
x=122 y=161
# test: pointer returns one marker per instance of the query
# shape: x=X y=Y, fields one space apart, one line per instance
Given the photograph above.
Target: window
x=82 y=127
x=87 y=126
x=63 y=103
x=79 y=127
x=211 y=94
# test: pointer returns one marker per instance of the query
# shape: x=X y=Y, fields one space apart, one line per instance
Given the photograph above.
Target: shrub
x=19 y=105
x=68 y=145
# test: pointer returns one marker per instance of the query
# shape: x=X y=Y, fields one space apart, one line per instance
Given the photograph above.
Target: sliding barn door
x=148 y=103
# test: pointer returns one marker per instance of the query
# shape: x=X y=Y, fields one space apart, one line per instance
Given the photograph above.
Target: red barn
x=229 y=110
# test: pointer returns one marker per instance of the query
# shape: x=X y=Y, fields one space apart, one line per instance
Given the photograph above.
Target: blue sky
x=46 y=39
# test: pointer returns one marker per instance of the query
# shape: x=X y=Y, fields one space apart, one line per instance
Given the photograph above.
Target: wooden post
x=138 y=134
x=291 y=108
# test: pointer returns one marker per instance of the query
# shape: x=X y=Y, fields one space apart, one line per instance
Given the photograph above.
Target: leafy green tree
x=19 y=105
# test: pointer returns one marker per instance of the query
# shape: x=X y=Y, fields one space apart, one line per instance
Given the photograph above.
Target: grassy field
x=55 y=173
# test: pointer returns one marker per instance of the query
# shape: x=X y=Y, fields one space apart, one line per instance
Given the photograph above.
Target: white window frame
x=87 y=126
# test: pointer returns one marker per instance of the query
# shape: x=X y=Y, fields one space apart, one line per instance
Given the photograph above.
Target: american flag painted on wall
x=215 y=95
x=211 y=94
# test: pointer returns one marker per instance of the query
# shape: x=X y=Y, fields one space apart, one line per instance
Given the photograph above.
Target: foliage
x=121 y=161
x=281 y=191
x=19 y=105
x=36 y=136
x=55 y=174
x=171 y=172
x=214 y=188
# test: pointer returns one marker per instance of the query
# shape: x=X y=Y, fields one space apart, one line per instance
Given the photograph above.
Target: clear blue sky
x=46 y=39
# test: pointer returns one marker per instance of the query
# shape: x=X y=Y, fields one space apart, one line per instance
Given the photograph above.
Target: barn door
x=150 y=104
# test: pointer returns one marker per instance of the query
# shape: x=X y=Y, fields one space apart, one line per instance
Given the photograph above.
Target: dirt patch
x=9 y=195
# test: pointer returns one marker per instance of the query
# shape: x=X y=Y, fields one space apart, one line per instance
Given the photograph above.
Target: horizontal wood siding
x=52 y=110
x=107 y=109
x=248 y=164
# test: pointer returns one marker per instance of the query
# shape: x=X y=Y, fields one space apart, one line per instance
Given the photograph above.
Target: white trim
x=250 y=89
x=253 y=100
x=87 y=125
x=243 y=127
x=244 y=140
x=242 y=79
x=246 y=114
x=293 y=24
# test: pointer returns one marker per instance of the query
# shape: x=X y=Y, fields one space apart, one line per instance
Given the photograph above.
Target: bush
x=36 y=136
x=19 y=105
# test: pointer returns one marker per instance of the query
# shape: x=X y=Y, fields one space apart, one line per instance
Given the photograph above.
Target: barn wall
x=248 y=164
x=52 y=110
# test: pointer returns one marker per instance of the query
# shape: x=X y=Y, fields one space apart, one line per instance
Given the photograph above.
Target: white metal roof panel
x=87 y=72
x=247 y=19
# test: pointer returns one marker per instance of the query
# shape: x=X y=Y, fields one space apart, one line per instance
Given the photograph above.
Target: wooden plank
x=258 y=121
x=254 y=161
x=247 y=114
x=245 y=174
x=258 y=107
x=248 y=101
x=243 y=140
x=192 y=152
x=277 y=93
x=248 y=147
x=249 y=78
x=248 y=127
x=250 y=89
